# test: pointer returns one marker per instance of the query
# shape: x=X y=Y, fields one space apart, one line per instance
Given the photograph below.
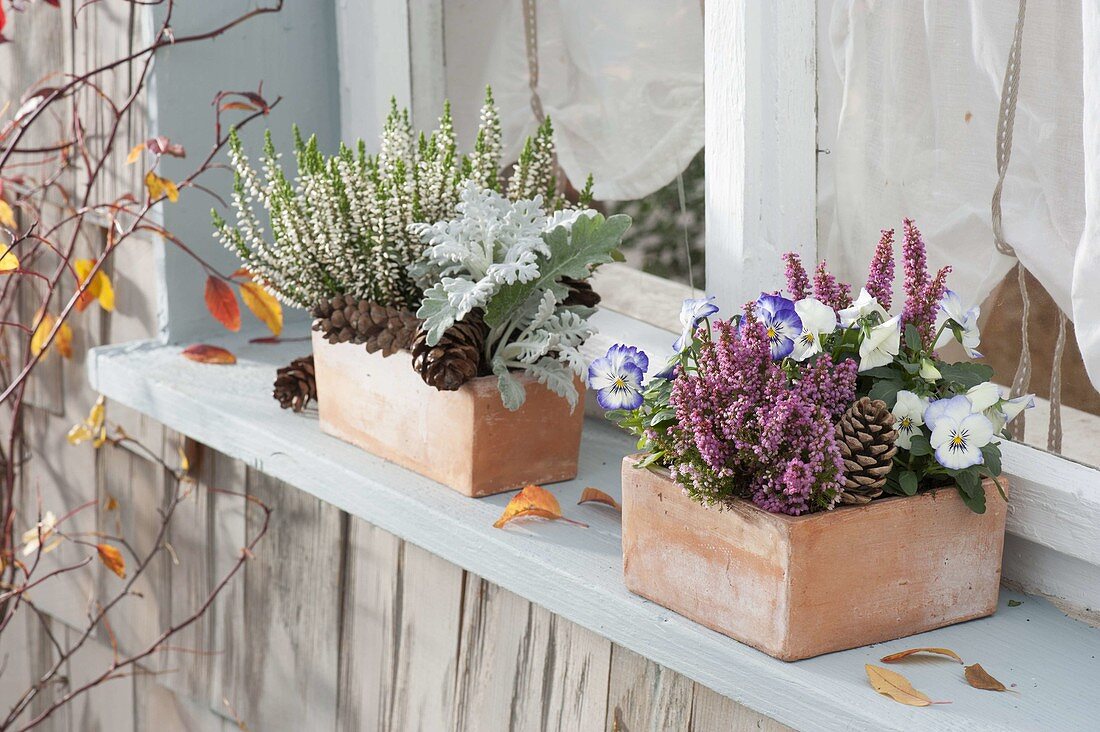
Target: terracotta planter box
x=799 y=586
x=464 y=439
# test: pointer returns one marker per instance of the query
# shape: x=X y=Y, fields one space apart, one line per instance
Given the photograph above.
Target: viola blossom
x=691 y=312
x=818 y=321
x=908 y=417
x=863 y=306
x=989 y=399
x=617 y=377
x=958 y=432
x=880 y=345
x=781 y=324
x=951 y=308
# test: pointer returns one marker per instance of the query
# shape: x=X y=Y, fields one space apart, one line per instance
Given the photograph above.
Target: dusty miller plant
x=508 y=259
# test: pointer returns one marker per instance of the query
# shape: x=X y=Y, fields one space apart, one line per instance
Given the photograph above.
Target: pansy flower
x=908 y=417
x=691 y=312
x=951 y=308
x=818 y=321
x=880 y=345
x=958 y=432
x=781 y=323
x=617 y=377
x=863 y=306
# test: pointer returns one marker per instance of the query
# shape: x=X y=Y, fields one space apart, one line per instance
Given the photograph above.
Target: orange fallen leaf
x=263 y=305
x=222 y=303
x=112 y=559
x=161 y=187
x=63 y=341
x=897 y=687
x=894 y=657
x=595 y=495
x=204 y=353
x=533 y=501
x=979 y=678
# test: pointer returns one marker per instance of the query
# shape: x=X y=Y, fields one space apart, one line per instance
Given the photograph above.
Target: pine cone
x=296 y=384
x=456 y=358
x=387 y=329
x=580 y=293
x=337 y=319
x=866 y=436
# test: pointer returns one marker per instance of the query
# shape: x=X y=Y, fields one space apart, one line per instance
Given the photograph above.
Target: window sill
x=576 y=572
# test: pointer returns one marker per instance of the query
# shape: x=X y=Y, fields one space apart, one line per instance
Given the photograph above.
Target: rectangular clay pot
x=464 y=439
x=799 y=586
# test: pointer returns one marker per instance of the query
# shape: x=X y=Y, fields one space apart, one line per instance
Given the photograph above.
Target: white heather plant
x=507 y=259
x=342 y=226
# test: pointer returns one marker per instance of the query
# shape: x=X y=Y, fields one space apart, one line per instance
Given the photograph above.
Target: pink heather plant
x=745 y=429
x=798 y=282
x=829 y=290
x=922 y=295
x=880 y=277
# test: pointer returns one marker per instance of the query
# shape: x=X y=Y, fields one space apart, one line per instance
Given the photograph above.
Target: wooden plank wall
x=335 y=624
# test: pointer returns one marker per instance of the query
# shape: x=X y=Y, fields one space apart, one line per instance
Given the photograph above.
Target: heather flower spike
x=798 y=282
x=691 y=312
x=617 y=377
x=781 y=323
x=880 y=277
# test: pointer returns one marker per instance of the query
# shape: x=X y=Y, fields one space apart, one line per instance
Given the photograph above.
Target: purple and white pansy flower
x=691 y=312
x=617 y=377
x=951 y=308
x=959 y=432
x=781 y=322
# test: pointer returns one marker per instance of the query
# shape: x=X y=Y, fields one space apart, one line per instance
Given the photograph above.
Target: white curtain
x=909 y=96
x=622 y=81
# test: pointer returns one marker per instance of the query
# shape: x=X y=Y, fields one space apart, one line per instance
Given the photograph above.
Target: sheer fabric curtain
x=622 y=81
x=908 y=107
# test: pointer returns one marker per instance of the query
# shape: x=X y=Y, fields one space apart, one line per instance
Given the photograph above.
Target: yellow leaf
x=161 y=187
x=7 y=216
x=79 y=433
x=112 y=559
x=533 y=501
x=595 y=495
x=135 y=153
x=979 y=678
x=94 y=426
x=106 y=294
x=9 y=261
x=895 y=686
x=63 y=340
x=98 y=289
x=894 y=657
x=185 y=464
x=263 y=306
x=39 y=536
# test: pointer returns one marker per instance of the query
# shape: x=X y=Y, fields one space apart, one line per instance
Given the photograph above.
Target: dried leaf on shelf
x=979 y=678
x=204 y=353
x=112 y=559
x=263 y=305
x=533 y=501
x=895 y=686
x=595 y=495
x=894 y=657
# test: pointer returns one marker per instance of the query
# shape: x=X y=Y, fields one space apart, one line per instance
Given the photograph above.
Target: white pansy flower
x=951 y=307
x=989 y=399
x=958 y=432
x=818 y=321
x=908 y=417
x=879 y=347
x=984 y=395
x=863 y=306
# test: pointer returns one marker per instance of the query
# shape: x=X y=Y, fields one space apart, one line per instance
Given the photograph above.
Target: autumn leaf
x=7 y=216
x=222 y=303
x=595 y=495
x=243 y=106
x=100 y=287
x=9 y=262
x=135 y=153
x=111 y=503
x=39 y=536
x=263 y=306
x=161 y=187
x=63 y=340
x=895 y=657
x=533 y=501
x=979 y=678
x=895 y=686
x=94 y=426
x=204 y=353
x=161 y=145
x=112 y=559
